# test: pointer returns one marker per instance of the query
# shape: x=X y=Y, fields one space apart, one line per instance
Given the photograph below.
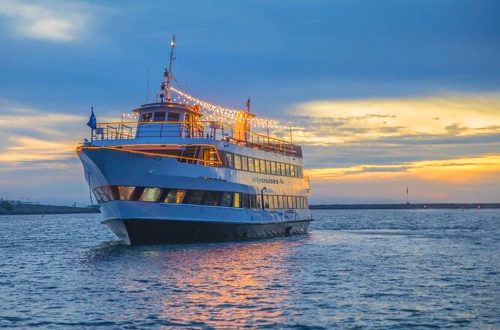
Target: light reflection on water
x=234 y=285
x=221 y=285
x=383 y=269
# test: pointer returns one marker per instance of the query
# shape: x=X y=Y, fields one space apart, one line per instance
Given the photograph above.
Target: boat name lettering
x=144 y=156
x=268 y=180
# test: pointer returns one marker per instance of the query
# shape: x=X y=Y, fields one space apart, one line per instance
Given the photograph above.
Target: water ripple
x=356 y=269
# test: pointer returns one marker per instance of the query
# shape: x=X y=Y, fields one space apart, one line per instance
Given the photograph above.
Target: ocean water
x=372 y=268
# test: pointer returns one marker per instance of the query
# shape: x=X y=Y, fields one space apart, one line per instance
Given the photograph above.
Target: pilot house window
x=146 y=117
x=159 y=116
x=173 y=116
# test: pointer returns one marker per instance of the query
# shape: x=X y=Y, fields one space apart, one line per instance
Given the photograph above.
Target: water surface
x=369 y=268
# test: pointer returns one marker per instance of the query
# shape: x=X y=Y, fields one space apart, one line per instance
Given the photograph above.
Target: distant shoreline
x=20 y=208
x=419 y=206
x=40 y=209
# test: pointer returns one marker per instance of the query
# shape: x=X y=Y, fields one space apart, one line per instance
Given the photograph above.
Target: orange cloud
x=478 y=169
x=24 y=149
x=330 y=122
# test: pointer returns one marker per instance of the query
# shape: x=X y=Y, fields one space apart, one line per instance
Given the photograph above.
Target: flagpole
x=91 y=129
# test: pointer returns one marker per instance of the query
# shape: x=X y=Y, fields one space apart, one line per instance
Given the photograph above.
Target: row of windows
x=199 y=197
x=250 y=164
x=159 y=116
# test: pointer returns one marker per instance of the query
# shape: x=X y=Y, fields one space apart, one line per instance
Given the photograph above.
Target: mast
x=168 y=72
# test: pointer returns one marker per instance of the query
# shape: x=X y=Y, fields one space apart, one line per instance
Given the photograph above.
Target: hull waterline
x=143 y=232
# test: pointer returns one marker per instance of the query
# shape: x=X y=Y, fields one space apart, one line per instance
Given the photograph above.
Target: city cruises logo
x=256 y=179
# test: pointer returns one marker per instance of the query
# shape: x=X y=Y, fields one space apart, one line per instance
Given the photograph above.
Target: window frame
x=263 y=167
x=237 y=161
x=244 y=163
x=228 y=160
x=251 y=164
x=257 y=165
x=158 y=191
x=158 y=114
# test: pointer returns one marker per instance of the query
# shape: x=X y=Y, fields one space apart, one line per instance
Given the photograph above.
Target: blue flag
x=92 y=121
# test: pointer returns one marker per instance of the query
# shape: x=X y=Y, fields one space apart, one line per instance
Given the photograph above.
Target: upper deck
x=115 y=131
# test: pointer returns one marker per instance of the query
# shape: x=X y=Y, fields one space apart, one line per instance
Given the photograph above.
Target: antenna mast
x=168 y=72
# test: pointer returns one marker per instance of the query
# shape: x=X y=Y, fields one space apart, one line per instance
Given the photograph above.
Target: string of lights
x=218 y=113
x=214 y=112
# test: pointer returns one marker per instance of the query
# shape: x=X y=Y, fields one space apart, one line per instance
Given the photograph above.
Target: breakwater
x=16 y=208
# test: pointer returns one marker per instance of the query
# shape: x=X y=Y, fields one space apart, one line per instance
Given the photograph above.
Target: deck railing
x=200 y=129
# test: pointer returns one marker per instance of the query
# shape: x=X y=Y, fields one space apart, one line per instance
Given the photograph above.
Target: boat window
x=179 y=196
x=229 y=160
x=106 y=193
x=98 y=195
x=237 y=162
x=209 y=156
x=251 y=167
x=236 y=201
x=211 y=198
x=136 y=194
x=271 y=203
x=244 y=163
x=159 y=116
x=280 y=202
x=173 y=116
x=253 y=201
x=266 y=201
x=124 y=192
x=268 y=167
x=283 y=169
x=150 y=195
x=170 y=198
x=198 y=197
x=193 y=197
x=146 y=117
x=226 y=199
x=245 y=201
x=273 y=167
x=263 y=168
x=292 y=170
x=257 y=165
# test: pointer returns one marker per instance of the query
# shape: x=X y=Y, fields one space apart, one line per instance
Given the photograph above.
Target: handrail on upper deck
x=192 y=129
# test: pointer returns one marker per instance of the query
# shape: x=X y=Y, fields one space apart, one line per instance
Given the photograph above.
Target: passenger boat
x=176 y=174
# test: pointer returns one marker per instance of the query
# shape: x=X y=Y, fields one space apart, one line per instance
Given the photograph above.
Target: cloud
x=36 y=138
x=51 y=21
x=329 y=122
x=475 y=179
x=445 y=170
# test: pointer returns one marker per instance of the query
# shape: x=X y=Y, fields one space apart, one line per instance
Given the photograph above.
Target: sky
x=383 y=95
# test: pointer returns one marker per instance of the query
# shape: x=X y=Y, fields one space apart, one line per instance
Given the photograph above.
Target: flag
x=92 y=123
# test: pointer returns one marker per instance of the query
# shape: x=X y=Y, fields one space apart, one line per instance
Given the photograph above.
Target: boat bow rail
x=201 y=129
